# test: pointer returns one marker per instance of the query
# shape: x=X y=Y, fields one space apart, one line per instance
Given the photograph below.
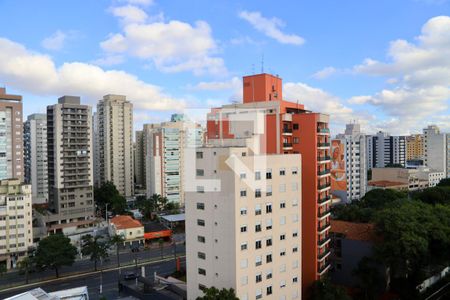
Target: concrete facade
x=114 y=140
x=383 y=149
x=139 y=159
x=435 y=148
x=414 y=147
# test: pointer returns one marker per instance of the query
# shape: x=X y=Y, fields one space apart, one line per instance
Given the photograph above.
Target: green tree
x=25 y=266
x=117 y=240
x=55 y=251
x=94 y=248
x=108 y=194
x=325 y=290
x=444 y=182
x=2 y=269
x=214 y=293
x=370 y=280
x=435 y=195
x=158 y=202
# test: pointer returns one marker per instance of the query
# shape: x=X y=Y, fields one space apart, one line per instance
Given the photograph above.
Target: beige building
x=405 y=179
x=414 y=147
x=132 y=230
x=114 y=143
x=16 y=233
x=11 y=141
x=70 y=171
x=243 y=223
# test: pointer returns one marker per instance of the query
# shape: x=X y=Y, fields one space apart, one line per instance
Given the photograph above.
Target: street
x=92 y=280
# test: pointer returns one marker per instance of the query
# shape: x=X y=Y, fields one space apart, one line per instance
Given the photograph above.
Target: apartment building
x=114 y=141
x=16 y=234
x=70 y=162
x=414 y=147
x=139 y=159
x=448 y=155
x=11 y=139
x=384 y=149
x=435 y=148
x=35 y=156
x=243 y=223
x=419 y=178
x=349 y=170
x=165 y=145
x=286 y=128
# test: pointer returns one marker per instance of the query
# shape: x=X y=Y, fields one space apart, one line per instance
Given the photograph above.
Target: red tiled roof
x=125 y=222
x=386 y=183
x=354 y=231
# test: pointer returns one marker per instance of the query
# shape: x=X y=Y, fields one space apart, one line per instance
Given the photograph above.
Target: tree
x=25 y=266
x=97 y=250
x=325 y=290
x=214 y=293
x=3 y=269
x=117 y=240
x=55 y=251
x=108 y=194
x=371 y=282
x=158 y=202
x=444 y=182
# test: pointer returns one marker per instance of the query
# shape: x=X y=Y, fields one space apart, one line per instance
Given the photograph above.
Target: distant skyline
x=383 y=63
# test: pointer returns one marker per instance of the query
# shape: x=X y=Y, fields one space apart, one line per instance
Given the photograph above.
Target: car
x=129 y=275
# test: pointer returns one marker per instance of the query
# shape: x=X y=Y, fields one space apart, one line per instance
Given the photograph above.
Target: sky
x=382 y=63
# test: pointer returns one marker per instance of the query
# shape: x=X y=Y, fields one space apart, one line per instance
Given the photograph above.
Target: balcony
x=287 y=131
x=323 y=241
x=323 y=172
x=324 y=200
x=323 y=158
x=323 y=186
x=323 y=130
x=287 y=118
x=323 y=269
x=323 y=255
x=322 y=215
x=287 y=146
x=323 y=228
x=323 y=145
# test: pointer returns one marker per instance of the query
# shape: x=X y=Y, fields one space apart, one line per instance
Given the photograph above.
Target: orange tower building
x=289 y=128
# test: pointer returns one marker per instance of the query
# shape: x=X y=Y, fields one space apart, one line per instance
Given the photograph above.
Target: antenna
x=262 y=63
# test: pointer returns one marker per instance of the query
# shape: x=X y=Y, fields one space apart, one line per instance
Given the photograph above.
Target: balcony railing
x=323 y=241
x=322 y=227
x=323 y=172
x=324 y=199
x=287 y=130
x=323 y=130
x=323 y=254
x=323 y=158
x=323 y=186
x=323 y=213
x=323 y=268
x=287 y=145
x=323 y=144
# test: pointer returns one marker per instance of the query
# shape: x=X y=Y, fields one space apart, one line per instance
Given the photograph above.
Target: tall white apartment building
x=435 y=148
x=70 y=162
x=35 y=156
x=11 y=139
x=139 y=159
x=165 y=146
x=114 y=141
x=16 y=232
x=354 y=144
x=448 y=155
x=384 y=149
x=243 y=223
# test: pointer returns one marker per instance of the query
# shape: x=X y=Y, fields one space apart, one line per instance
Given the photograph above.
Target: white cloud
x=270 y=27
x=420 y=73
x=173 y=46
x=324 y=73
x=232 y=84
x=130 y=14
x=55 y=41
x=37 y=74
x=109 y=60
x=139 y=2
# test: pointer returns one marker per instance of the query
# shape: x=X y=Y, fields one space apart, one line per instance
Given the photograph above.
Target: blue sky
x=384 y=63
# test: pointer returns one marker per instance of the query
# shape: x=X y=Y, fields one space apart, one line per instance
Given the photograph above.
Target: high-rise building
x=448 y=155
x=243 y=224
x=35 y=156
x=287 y=128
x=348 y=167
x=114 y=140
x=165 y=147
x=139 y=159
x=70 y=162
x=435 y=148
x=16 y=226
x=414 y=147
x=11 y=140
x=384 y=149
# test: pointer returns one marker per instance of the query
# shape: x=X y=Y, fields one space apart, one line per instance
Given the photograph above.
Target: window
x=283 y=252
x=244 y=246
x=283 y=204
x=201 y=206
x=295 y=126
x=257 y=175
x=283 y=268
x=269 y=274
x=258 y=244
x=282 y=188
x=282 y=237
x=269 y=174
x=201 y=271
x=200 y=172
x=282 y=220
x=258 y=209
x=282 y=283
x=201 y=287
x=244 y=228
x=258 y=193
x=268 y=208
x=199 y=155
x=200 y=222
x=294 y=171
x=244 y=263
x=295 y=249
x=269 y=290
x=244 y=280
x=269 y=224
x=269 y=190
x=295 y=218
x=258 y=260
x=243 y=193
x=201 y=255
x=258 y=278
x=282 y=171
x=295 y=202
x=258 y=227
x=294 y=186
x=268 y=258
x=295 y=140
x=258 y=294
x=243 y=176
x=269 y=242
x=295 y=264
x=200 y=189
x=243 y=211
x=295 y=279
x=201 y=239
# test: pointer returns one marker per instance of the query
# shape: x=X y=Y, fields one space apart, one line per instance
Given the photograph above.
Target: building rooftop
x=355 y=231
x=386 y=183
x=174 y=218
x=125 y=222
x=79 y=293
